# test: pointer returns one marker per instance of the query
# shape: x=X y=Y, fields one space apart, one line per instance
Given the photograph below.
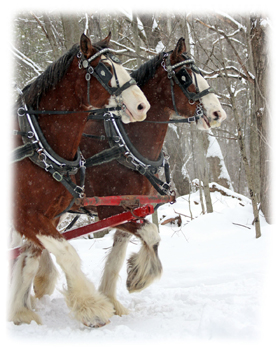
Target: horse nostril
x=216 y=115
x=140 y=107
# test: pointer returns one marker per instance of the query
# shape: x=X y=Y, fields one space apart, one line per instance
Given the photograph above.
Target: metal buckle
x=165 y=187
x=191 y=119
x=82 y=160
x=90 y=70
x=43 y=158
x=80 y=190
x=57 y=176
x=30 y=134
x=21 y=109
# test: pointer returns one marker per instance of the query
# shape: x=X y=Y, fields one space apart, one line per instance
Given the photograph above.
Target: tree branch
x=221 y=32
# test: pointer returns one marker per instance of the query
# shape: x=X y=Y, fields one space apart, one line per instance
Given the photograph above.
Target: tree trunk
x=248 y=170
x=204 y=170
x=136 y=38
x=52 y=40
x=259 y=48
x=71 y=29
x=152 y=35
x=177 y=148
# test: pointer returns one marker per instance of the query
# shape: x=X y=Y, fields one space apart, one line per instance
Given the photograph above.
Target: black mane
x=49 y=78
x=33 y=92
x=147 y=70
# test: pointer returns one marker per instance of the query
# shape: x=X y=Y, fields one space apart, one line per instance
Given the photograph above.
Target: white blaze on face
x=135 y=103
x=214 y=114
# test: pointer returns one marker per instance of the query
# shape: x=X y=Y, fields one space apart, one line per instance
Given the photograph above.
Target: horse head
x=104 y=66
x=202 y=102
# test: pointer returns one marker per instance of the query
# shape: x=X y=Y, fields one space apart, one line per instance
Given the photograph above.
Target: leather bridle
x=103 y=74
x=183 y=79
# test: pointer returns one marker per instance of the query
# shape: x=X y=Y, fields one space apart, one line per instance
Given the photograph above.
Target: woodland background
x=231 y=51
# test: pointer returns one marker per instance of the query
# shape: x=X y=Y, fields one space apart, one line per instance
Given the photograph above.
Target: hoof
x=96 y=325
x=91 y=309
x=142 y=269
x=25 y=316
x=120 y=310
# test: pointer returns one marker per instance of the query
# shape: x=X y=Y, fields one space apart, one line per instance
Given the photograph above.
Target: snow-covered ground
x=215 y=289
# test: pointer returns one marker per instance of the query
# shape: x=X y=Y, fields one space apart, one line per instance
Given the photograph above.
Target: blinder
x=103 y=72
x=184 y=78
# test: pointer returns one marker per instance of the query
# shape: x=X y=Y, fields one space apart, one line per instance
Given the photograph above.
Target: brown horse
x=52 y=115
x=155 y=78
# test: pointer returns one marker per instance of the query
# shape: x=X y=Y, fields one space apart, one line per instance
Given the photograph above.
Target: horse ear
x=85 y=46
x=179 y=49
x=105 y=42
x=108 y=38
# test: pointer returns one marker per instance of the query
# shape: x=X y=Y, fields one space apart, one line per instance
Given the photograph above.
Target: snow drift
x=214 y=284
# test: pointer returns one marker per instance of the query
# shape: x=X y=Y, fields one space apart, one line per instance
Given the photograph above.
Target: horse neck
x=63 y=132
x=148 y=138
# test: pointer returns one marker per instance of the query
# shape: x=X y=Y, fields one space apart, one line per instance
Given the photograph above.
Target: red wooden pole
x=126 y=200
x=112 y=221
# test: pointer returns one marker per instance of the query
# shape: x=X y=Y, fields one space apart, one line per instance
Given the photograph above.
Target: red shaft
x=118 y=200
x=110 y=222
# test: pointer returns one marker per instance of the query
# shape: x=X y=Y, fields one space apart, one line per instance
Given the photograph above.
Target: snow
x=214 y=150
x=160 y=47
x=212 y=290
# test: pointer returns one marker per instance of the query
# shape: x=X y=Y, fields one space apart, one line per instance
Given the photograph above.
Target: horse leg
x=45 y=279
x=24 y=270
x=112 y=268
x=87 y=305
x=144 y=267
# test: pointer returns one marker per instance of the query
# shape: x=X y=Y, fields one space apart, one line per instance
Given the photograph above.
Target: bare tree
x=259 y=49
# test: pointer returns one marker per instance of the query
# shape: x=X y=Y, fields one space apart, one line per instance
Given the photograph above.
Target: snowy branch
x=231 y=21
x=221 y=32
x=221 y=72
x=128 y=51
x=40 y=24
x=38 y=70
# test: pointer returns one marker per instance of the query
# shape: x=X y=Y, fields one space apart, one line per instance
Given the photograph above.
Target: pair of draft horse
x=52 y=116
